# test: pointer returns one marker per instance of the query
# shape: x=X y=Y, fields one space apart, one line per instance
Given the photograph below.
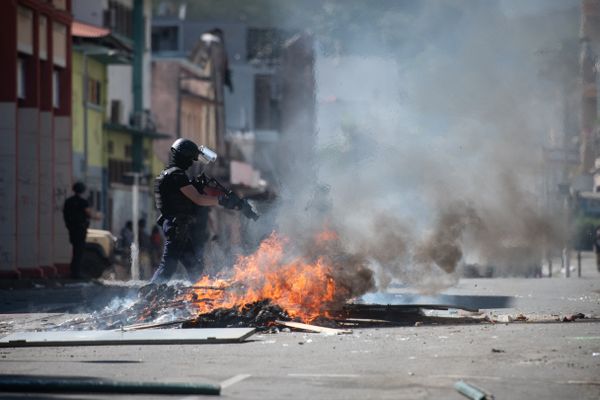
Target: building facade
x=252 y=69
x=35 y=132
x=120 y=127
x=183 y=103
x=590 y=50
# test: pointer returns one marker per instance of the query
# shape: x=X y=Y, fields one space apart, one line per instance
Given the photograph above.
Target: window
x=128 y=150
x=60 y=4
x=59 y=43
x=43 y=37
x=25 y=30
x=94 y=91
x=110 y=147
x=21 y=74
x=165 y=38
x=117 y=170
x=56 y=88
x=116 y=110
x=118 y=18
x=264 y=44
x=266 y=106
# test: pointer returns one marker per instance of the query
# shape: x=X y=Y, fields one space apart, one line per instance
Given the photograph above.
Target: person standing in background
x=77 y=214
x=597 y=247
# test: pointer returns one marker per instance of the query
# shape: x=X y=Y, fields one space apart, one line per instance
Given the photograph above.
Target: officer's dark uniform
x=178 y=219
x=183 y=222
x=77 y=223
x=178 y=213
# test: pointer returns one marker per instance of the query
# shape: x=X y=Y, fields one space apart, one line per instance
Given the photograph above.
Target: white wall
x=62 y=187
x=120 y=88
x=89 y=11
x=45 y=188
x=27 y=187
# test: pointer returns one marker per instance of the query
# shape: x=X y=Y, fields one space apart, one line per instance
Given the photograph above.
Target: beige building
x=184 y=104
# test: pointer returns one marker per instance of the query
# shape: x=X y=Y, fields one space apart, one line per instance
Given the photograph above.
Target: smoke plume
x=429 y=146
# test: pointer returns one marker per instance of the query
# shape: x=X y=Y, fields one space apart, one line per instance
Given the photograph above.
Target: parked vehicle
x=508 y=261
x=100 y=252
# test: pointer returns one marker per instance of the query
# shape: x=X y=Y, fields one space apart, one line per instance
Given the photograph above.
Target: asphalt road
x=549 y=360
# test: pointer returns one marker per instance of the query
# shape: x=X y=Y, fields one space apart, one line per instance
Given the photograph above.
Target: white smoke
x=429 y=153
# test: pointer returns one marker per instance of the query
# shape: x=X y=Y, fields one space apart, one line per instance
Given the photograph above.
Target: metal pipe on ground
x=469 y=391
x=56 y=384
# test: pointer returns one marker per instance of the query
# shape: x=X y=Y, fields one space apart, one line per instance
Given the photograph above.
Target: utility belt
x=180 y=226
x=178 y=218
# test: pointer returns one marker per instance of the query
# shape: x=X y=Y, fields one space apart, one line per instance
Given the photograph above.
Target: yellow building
x=103 y=137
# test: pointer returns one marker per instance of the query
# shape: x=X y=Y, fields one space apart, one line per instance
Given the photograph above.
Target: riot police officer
x=177 y=199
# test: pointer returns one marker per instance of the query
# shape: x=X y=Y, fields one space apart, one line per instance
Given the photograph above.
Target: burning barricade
x=277 y=282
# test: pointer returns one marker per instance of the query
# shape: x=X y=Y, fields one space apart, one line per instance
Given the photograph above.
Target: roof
x=136 y=131
x=81 y=29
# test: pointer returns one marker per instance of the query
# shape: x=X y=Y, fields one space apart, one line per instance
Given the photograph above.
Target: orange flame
x=304 y=289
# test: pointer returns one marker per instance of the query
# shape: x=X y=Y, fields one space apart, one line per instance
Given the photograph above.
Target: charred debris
x=174 y=306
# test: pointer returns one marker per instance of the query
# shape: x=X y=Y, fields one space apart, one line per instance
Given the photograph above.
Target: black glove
x=231 y=202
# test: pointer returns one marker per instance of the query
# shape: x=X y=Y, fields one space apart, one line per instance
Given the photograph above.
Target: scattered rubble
x=258 y=314
x=176 y=305
x=573 y=317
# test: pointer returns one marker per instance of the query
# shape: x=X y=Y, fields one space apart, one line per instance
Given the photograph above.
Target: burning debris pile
x=258 y=314
x=277 y=282
x=308 y=281
x=171 y=304
x=152 y=304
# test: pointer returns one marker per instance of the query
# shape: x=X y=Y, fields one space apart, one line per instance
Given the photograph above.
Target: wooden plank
x=313 y=328
x=108 y=338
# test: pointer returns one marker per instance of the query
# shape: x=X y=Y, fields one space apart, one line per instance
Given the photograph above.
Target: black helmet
x=185 y=148
x=79 y=187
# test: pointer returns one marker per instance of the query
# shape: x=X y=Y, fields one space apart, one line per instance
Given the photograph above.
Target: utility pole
x=84 y=100
x=135 y=212
x=138 y=81
x=137 y=140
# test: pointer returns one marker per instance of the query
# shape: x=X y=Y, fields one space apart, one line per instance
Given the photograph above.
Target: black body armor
x=168 y=198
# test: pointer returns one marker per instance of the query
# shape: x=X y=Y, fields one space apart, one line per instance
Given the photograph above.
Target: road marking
x=595 y=383
x=324 y=375
x=226 y=383
x=233 y=380
x=584 y=337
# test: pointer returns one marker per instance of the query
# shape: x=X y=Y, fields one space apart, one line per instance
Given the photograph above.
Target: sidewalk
x=64 y=296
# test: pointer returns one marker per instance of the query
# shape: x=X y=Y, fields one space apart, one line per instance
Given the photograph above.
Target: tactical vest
x=170 y=201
